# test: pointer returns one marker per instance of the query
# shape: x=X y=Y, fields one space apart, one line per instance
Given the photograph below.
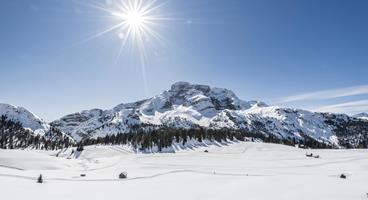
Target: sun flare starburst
x=135 y=23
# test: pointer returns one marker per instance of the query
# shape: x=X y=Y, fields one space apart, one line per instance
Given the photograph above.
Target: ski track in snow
x=137 y=178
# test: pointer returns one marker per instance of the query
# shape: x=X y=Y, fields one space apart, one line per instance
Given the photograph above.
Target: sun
x=134 y=18
x=136 y=22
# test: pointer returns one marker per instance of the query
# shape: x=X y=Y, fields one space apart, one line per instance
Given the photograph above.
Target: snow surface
x=235 y=171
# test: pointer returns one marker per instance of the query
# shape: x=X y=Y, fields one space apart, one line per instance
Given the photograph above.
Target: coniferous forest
x=165 y=137
x=14 y=136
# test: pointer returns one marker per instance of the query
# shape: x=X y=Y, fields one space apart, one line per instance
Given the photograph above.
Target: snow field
x=236 y=171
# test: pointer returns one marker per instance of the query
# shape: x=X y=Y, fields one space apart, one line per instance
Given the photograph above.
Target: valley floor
x=236 y=171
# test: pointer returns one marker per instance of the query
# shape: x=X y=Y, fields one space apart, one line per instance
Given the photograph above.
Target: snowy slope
x=22 y=129
x=236 y=171
x=288 y=123
x=188 y=105
x=25 y=118
x=361 y=116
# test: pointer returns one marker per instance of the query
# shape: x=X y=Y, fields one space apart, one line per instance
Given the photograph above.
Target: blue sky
x=298 y=53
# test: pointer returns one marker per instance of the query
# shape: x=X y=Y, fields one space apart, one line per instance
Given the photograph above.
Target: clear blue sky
x=311 y=54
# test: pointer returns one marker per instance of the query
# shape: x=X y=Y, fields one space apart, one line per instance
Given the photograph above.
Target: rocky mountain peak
x=217 y=98
x=182 y=87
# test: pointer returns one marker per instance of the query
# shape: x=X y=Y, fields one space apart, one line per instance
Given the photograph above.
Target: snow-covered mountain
x=27 y=119
x=188 y=106
x=20 y=128
x=183 y=106
x=361 y=116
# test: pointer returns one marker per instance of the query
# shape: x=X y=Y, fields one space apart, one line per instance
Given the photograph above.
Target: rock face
x=188 y=106
x=71 y=123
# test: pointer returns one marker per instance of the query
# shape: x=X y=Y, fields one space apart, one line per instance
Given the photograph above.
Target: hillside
x=19 y=128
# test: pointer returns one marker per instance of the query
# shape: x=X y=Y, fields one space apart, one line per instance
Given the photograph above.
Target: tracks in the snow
x=138 y=177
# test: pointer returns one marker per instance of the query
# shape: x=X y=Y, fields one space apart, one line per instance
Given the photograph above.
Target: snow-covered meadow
x=236 y=171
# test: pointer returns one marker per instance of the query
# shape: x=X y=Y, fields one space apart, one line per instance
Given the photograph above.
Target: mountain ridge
x=181 y=95
x=188 y=106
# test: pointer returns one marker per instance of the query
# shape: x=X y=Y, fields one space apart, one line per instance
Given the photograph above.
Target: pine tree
x=40 y=179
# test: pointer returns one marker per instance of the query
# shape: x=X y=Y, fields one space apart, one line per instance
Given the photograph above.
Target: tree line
x=165 y=137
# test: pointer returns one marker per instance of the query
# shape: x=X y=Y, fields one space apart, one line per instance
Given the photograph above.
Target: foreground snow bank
x=236 y=171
